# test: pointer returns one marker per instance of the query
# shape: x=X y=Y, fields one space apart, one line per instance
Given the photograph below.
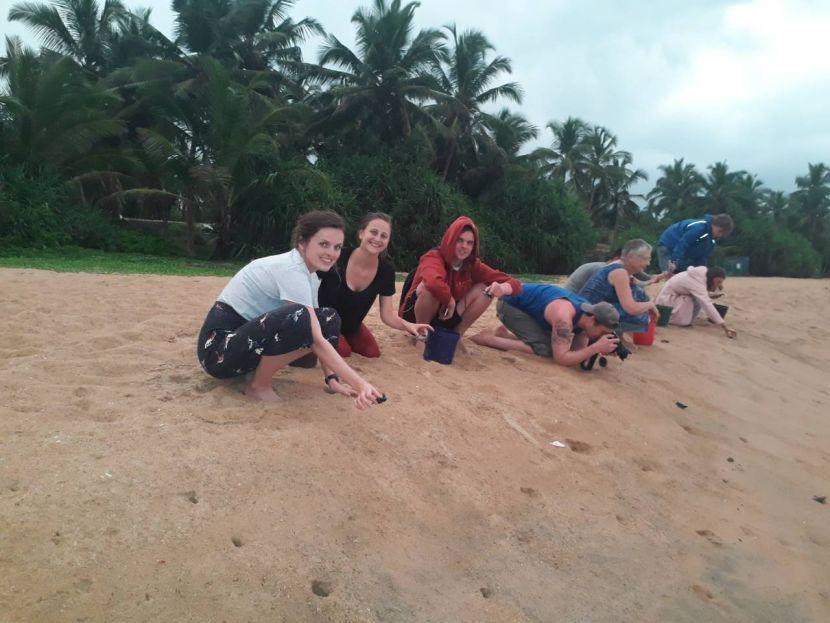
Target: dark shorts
x=409 y=315
x=231 y=346
x=524 y=327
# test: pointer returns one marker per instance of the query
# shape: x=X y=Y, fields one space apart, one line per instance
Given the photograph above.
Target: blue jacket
x=689 y=242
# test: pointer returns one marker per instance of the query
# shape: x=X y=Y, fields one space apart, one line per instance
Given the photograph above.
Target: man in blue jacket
x=689 y=242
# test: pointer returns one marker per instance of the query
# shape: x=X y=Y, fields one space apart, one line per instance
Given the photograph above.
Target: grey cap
x=605 y=313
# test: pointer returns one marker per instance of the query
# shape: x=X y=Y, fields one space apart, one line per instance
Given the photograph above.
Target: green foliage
x=398 y=180
x=44 y=212
x=546 y=226
x=223 y=125
x=268 y=209
x=771 y=250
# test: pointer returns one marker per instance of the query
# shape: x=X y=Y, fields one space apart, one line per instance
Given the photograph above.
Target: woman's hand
x=447 y=312
x=730 y=333
x=498 y=290
x=366 y=397
x=417 y=330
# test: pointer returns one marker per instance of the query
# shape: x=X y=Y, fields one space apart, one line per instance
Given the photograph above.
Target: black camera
x=620 y=351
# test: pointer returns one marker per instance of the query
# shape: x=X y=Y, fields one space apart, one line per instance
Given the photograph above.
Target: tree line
x=228 y=124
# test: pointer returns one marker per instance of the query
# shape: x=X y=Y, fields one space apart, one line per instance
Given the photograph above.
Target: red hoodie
x=435 y=269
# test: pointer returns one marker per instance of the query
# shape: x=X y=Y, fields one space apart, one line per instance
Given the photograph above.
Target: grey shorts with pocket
x=525 y=328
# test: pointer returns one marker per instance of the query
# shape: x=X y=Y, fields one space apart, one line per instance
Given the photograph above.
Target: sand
x=133 y=487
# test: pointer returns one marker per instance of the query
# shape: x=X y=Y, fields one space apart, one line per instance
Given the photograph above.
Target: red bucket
x=647 y=338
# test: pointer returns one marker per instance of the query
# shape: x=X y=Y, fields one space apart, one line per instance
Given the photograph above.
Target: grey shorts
x=525 y=328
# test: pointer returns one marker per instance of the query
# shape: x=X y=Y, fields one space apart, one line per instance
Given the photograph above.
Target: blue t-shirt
x=535 y=297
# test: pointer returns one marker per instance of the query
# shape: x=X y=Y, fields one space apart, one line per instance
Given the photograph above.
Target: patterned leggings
x=231 y=346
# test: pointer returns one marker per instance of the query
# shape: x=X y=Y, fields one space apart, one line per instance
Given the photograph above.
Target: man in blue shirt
x=689 y=242
x=550 y=321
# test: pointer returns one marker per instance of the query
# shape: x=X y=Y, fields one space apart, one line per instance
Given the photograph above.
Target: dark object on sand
x=722 y=309
x=730 y=460
x=381 y=399
x=681 y=405
x=821 y=499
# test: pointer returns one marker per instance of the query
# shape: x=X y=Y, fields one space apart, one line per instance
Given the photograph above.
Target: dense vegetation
x=227 y=124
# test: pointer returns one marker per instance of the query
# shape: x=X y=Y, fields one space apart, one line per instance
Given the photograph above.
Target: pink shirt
x=682 y=290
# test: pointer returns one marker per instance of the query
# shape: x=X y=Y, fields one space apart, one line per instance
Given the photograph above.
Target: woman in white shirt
x=268 y=316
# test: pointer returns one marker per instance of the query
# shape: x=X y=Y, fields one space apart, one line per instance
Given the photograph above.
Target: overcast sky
x=706 y=80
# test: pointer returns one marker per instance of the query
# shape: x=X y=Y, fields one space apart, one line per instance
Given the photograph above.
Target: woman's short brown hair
x=312 y=222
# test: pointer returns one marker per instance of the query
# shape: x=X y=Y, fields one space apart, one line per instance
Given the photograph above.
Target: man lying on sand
x=550 y=321
x=452 y=287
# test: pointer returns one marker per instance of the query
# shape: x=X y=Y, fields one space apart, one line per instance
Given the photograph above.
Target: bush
x=43 y=212
x=397 y=181
x=772 y=251
x=266 y=213
x=539 y=220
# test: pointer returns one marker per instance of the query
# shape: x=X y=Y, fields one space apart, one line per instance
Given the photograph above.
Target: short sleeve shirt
x=535 y=298
x=350 y=305
x=269 y=282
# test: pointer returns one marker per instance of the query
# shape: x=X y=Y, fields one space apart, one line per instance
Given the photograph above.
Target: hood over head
x=447 y=247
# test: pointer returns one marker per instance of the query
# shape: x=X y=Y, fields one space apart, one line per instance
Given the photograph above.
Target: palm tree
x=252 y=35
x=378 y=86
x=80 y=29
x=723 y=188
x=619 y=200
x=677 y=194
x=53 y=116
x=811 y=200
x=565 y=159
x=466 y=76
x=509 y=131
x=215 y=139
x=776 y=204
x=600 y=154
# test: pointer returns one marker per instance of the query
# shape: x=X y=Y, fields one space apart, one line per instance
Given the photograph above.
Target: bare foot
x=266 y=394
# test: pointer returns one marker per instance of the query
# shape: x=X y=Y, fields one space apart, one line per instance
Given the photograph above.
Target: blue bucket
x=441 y=345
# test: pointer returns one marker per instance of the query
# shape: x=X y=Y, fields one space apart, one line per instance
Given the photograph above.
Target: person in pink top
x=687 y=293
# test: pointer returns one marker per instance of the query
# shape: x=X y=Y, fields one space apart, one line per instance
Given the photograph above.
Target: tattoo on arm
x=563 y=332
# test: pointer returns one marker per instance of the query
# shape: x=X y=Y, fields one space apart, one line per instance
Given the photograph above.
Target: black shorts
x=231 y=346
x=449 y=324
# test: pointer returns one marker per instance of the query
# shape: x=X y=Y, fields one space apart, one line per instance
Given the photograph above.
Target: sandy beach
x=134 y=487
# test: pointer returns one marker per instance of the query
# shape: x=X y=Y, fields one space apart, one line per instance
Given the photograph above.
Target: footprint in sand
x=321 y=588
x=579 y=446
x=646 y=465
x=711 y=537
x=702 y=592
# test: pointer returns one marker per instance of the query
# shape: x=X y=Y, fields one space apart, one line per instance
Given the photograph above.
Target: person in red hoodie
x=452 y=287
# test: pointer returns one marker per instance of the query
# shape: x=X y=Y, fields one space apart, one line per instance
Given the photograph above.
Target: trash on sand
x=821 y=499
x=681 y=405
x=558 y=444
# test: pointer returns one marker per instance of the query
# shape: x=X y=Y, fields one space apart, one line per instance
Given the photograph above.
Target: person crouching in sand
x=452 y=287
x=687 y=293
x=612 y=284
x=550 y=321
x=267 y=316
x=361 y=276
